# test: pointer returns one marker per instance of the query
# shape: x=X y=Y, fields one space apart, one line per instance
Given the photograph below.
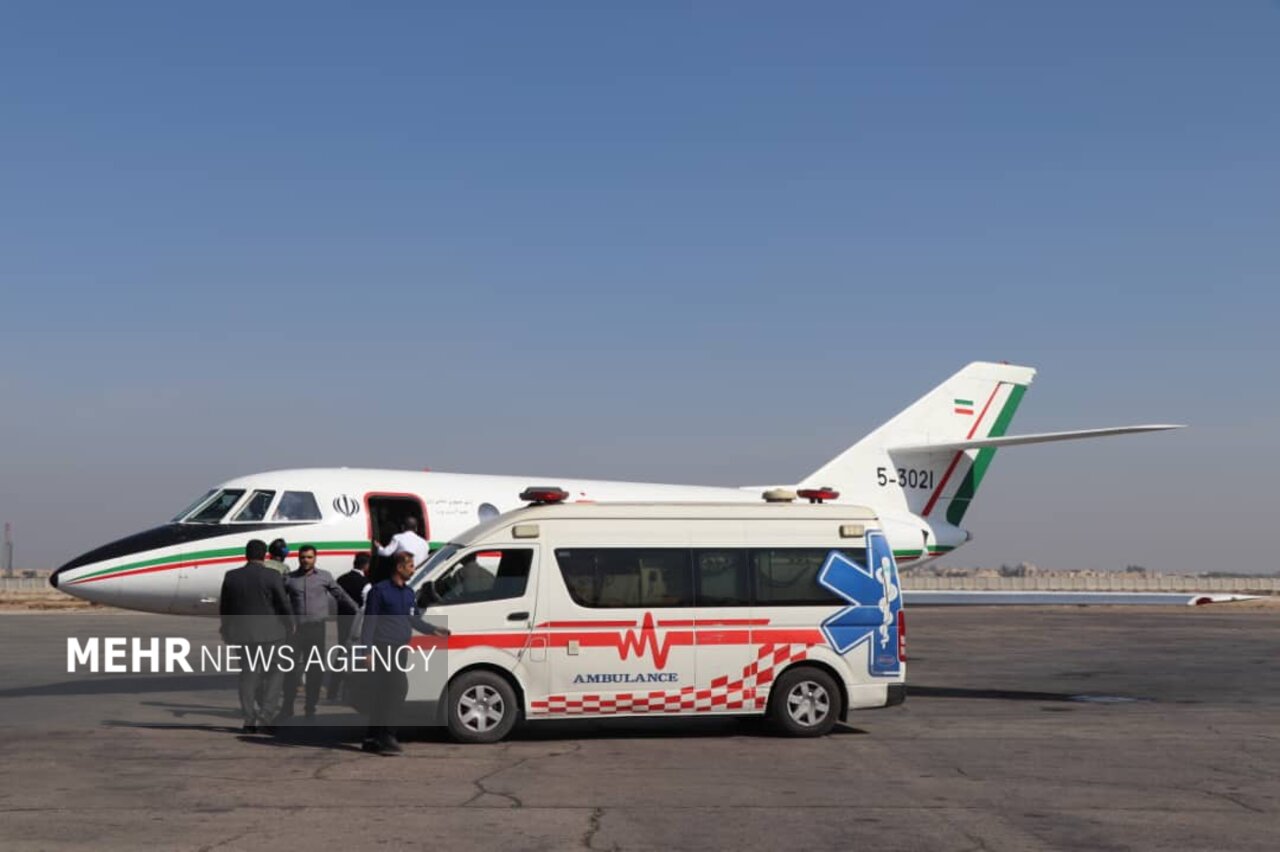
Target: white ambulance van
x=567 y=610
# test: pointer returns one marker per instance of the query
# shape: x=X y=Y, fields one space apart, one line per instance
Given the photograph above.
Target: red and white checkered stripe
x=748 y=692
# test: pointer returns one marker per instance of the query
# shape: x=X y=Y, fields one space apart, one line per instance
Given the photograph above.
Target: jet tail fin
x=931 y=457
x=978 y=402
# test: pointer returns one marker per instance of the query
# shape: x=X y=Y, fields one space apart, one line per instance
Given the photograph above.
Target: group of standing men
x=267 y=608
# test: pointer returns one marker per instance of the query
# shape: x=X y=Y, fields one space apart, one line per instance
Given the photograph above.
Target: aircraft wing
x=1039 y=438
x=939 y=597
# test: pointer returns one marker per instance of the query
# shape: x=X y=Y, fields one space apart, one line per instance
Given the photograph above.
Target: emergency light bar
x=542 y=495
x=817 y=495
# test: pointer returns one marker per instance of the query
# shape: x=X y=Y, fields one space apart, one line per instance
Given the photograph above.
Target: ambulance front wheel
x=804 y=702
x=482 y=707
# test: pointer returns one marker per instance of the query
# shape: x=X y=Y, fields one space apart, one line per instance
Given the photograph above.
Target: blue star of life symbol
x=874 y=597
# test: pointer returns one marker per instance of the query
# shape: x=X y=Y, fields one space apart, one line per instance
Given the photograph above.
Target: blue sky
x=707 y=243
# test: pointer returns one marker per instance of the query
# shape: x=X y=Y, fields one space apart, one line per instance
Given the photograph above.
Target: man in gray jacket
x=309 y=591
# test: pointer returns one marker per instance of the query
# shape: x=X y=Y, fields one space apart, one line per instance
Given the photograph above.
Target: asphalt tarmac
x=1064 y=728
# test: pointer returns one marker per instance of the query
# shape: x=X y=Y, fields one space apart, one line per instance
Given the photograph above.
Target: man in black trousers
x=257 y=617
x=310 y=590
x=390 y=617
x=353 y=583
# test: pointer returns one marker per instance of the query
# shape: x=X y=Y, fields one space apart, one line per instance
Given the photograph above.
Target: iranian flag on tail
x=964 y=406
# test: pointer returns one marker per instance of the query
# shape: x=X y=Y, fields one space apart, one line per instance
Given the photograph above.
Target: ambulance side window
x=578 y=569
x=623 y=577
x=723 y=577
x=789 y=576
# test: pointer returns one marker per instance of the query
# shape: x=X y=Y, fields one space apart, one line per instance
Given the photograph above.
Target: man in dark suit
x=257 y=617
x=353 y=583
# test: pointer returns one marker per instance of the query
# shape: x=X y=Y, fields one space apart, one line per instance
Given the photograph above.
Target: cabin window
x=297 y=506
x=256 y=508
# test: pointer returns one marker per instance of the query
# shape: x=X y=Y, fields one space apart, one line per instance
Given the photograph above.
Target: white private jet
x=918 y=472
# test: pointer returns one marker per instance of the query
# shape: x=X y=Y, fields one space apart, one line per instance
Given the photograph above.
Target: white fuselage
x=178 y=568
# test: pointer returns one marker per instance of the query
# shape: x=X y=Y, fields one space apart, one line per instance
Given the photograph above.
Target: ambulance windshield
x=437 y=559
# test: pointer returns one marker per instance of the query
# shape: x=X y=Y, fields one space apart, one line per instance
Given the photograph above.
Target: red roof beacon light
x=542 y=495
x=817 y=495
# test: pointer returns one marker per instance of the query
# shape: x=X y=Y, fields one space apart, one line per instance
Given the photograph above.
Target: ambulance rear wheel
x=804 y=702
x=482 y=707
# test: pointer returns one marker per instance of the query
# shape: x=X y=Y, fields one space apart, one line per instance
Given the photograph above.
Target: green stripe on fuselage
x=197 y=556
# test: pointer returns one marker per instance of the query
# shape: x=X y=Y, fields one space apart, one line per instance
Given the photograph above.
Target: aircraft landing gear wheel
x=804 y=702
x=482 y=707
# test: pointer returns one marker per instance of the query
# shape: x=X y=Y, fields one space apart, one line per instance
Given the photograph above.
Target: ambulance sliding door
x=725 y=621
x=620 y=630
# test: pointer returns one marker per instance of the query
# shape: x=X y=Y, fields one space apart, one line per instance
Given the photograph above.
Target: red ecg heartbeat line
x=629 y=643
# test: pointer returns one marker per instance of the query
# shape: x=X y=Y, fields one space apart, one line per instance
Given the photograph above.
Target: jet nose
x=60 y=576
x=76 y=578
x=69 y=577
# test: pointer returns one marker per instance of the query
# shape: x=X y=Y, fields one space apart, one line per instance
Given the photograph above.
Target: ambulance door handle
x=518 y=616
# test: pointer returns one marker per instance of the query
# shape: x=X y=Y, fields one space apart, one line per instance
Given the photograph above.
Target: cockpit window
x=297 y=506
x=256 y=508
x=217 y=508
x=196 y=504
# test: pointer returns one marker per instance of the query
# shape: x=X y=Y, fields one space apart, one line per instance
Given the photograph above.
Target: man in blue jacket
x=389 y=621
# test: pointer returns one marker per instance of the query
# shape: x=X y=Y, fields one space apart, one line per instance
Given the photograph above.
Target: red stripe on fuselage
x=169 y=566
x=154 y=568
